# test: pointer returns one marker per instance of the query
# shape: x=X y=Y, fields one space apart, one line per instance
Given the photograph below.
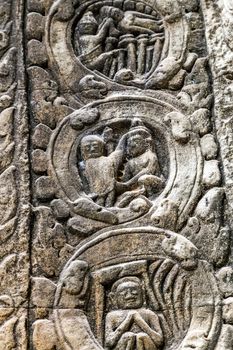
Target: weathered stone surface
x=116 y=176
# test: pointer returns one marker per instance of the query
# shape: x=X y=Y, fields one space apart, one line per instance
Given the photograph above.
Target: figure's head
x=74 y=278
x=127 y=293
x=88 y=24
x=225 y=281
x=92 y=146
x=111 y=12
x=117 y=14
x=138 y=142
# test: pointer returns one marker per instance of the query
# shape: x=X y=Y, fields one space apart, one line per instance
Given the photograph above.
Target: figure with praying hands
x=131 y=325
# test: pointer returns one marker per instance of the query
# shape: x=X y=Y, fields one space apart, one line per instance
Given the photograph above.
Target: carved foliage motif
x=128 y=198
x=13 y=259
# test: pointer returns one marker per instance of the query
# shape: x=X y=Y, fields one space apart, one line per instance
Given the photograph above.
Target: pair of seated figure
x=141 y=168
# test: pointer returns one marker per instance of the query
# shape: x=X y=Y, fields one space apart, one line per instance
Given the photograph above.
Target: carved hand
x=155 y=336
x=114 y=336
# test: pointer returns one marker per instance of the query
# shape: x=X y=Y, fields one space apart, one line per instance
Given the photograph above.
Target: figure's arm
x=150 y=168
x=114 y=335
x=142 y=23
x=144 y=15
x=145 y=171
x=104 y=28
x=117 y=155
x=122 y=143
x=154 y=165
x=127 y=25
x=127 y=173
x=153 y=330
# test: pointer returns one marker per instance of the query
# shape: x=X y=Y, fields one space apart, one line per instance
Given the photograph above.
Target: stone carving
x=131 y=325
x=50 y=235
x=124 y=151
x=131 y=43
x=7 y=90
x=116 y=175
x=14 y=202
x=141 y=168
x=139 y=313
x=121 y=40
x=134 y=179
x=225 y=284
x=208 y=219
x=227 y=10
x=89 y=87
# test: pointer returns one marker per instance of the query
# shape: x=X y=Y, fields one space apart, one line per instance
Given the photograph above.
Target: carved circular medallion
x=173 y=292
x=133 y=43
x=115 y=159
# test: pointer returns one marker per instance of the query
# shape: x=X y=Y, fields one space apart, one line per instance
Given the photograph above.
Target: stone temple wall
x=116 y=174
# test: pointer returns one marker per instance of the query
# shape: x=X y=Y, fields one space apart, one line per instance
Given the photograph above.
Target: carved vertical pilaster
x=14 y=180
x=217 y=19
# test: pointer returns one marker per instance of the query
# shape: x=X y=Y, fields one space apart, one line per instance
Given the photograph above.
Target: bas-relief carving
x=129 y=238
x=132 y=43
x=14 y=264
x=218 y=18
x=132 y=299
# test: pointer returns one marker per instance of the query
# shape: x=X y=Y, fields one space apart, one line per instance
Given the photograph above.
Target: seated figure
x=131 y=326
x=91 y=36
x=142 y=166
